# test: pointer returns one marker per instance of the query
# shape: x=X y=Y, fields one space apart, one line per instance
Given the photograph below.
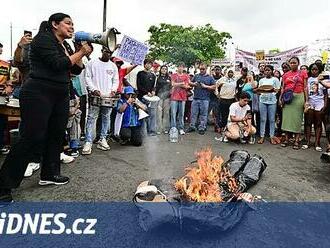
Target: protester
x=261 y=68
x=239 y=125
x=225 y=91
x=214 y=101
x=268 y=104
x=278 y=119
x=180 y=85
x=102 y=81
x=145 y=82
x=44 y=103
x=315 y=106
x=241 y=82
x=131 y=125
x=203 y=85
x=163 y=91
x=285 y=67
x=294 y=80
x=304 y=68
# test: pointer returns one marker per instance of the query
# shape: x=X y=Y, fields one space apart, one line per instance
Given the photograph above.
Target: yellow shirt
x=4 y=72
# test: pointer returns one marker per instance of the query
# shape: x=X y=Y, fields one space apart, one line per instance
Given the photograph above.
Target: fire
x=202 y=183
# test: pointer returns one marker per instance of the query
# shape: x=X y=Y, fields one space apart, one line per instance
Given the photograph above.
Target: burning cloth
x=210 y=196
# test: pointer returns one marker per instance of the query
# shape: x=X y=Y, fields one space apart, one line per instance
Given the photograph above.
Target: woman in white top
x=225 y=91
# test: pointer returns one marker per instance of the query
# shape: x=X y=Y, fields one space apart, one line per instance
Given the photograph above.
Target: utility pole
x=11 y=40
x=104 y=15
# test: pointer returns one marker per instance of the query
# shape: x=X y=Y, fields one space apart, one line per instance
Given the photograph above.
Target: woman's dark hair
x=311 y=67
x=304 y=66
x=181 y=64
x=270 y=67
x=164 y=66
x=285 y=63
x=57 y=18
x=296 y=58
x=280 y=75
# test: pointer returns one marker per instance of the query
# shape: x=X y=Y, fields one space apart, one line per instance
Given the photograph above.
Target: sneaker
x=152 y=134
x=201 y=132
x=73 y=153
x=166 y=132
x=54 y=180
x=225 y=139
x=5 y=150
x=182 y=132
x=87 y=149
x=65 y=159
x=252 y=140
x=82 y=137
x=190 y=130
x=32 y=167
x=5 y=196
x=159 y=133
x=103 y=145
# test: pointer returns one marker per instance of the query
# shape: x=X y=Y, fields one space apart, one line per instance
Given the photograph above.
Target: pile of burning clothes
x=211 y=196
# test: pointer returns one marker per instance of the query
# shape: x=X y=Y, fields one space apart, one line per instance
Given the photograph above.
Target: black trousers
x=224 y=106
x=44 y=115
x=83 y=109
x=133 y=134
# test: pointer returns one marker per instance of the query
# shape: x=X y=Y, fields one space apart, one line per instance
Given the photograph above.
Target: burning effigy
x=205 y=192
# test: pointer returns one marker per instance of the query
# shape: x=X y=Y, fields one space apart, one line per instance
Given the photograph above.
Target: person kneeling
x=131 y=131
x=239 y=121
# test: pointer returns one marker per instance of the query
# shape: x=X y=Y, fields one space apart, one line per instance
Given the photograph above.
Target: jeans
x=224 y=106
x=214 y=107
x=133 y=134
x=152 y=119
x=93 y=113
x=267 y=111
x=163 y=115
x=200 y=107
x=177 y=111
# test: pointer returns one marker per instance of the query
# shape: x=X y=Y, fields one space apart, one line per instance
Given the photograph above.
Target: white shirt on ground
x=102 y=76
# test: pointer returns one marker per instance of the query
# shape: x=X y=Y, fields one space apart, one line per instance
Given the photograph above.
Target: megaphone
x=142 y=114
x=107 y=38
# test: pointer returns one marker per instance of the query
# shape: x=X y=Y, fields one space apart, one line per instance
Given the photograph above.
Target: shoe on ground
x=252 y=140
x=5 y=196
x=225 y=139
x=190 y=130
x=103 y=145
x=32 y=167
x=182 y=132
x=159 y=133
x=82 y=137
x=87 y=149
x=65 y=159
x=201 y=132
x=54 y=180
x=73 y=153
x=5 y=150
x=166 y=132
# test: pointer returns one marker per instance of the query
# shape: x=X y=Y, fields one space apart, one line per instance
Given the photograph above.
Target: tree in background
x=274 y=51
x=173 y=43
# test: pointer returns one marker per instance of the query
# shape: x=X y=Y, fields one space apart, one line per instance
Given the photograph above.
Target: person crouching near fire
x=239 y=125
x=131 y=130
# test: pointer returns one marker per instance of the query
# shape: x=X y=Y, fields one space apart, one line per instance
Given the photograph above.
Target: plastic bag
x=237 y=161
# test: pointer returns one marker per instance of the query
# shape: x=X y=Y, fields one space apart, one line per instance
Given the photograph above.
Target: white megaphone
x=108 y=38
x=142 y=114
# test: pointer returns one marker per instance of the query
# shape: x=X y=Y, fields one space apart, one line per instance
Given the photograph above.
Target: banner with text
x=249 y=60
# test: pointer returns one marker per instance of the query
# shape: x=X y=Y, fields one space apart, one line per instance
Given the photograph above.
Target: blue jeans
x=200 y=107
x=152 y=120
x=177 y=110
x=93 y=113
x=267 y=111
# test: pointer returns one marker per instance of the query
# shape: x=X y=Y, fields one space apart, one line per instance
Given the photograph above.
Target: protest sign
x=132 y=51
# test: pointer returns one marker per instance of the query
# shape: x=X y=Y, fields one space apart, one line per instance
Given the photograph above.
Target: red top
x=122 y=73
x=178 y=93
x=295 y=80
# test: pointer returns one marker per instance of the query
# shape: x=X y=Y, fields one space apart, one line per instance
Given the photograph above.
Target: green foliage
x=173 y=43
x=274 y=51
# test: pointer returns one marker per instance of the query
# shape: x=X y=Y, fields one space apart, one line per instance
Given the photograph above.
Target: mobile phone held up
x=29 y=33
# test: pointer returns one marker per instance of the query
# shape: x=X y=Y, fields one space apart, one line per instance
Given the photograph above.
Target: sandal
x=318 y=149
x=261 y=140
x=285 y=143
x=296 y=146
x=273 y=141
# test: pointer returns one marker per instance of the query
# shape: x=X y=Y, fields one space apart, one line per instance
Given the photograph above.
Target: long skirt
x=293 y=114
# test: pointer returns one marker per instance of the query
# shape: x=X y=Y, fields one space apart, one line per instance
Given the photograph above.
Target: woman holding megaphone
x=44 y=103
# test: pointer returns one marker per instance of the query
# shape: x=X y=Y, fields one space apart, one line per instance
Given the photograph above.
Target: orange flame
x=201 y=183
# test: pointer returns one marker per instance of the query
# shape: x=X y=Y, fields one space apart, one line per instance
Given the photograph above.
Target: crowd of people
x=67 y=104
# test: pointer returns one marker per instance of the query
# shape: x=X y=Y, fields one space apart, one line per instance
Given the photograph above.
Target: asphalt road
x=113 y=175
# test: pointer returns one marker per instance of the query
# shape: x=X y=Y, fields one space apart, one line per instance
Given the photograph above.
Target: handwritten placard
x=132 y=51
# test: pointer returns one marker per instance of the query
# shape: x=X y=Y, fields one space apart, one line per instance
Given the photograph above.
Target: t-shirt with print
x=269 y=98
x=4 y=72
x=178 y=93
x=294 y=80
x=236 y=110
x=130 y=115
x=315 y=90
x=199 y=92
x=122 y=73
x=228 y=88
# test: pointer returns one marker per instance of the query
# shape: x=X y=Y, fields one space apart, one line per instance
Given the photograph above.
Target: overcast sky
x=254 y=24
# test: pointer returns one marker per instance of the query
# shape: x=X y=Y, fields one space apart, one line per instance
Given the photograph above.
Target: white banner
x=132 y=51
x=248 y=59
